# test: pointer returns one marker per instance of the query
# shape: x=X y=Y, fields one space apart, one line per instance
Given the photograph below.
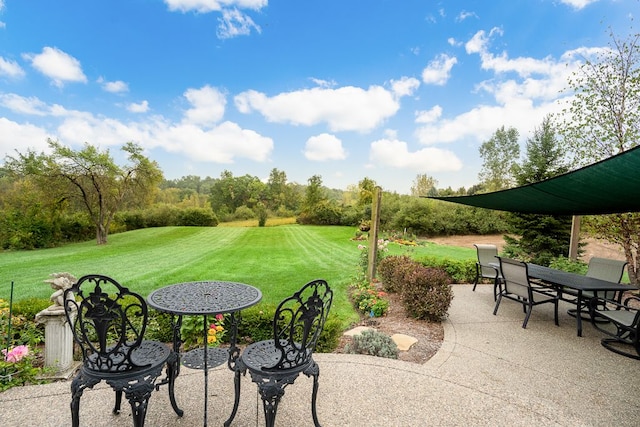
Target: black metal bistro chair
x=274 y=364
x=487 y=254
x=621 y=324
x=517 y=287
x=108 y=323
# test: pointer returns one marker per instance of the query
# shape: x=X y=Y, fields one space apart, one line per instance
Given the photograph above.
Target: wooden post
x=575 y=238
x=373 y=233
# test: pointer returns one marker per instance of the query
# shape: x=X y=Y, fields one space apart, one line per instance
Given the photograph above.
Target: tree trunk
x=101 y=234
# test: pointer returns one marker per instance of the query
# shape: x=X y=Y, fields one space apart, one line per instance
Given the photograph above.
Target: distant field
x=277 y=260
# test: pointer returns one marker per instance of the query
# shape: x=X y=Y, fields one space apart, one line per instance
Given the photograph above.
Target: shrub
x=243 y=213
x=459 y=271
x=566 y=264
x=373 y=343
x=159 y=327
x=427 y=293
x=391 y=271
x=257 y=323
x=330 y=336
x=198 y=217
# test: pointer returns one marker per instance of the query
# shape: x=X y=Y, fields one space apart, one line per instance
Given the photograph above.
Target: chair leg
x=475 y=281
x=271 y=395
x=526 y=317
x=138 y=395
x=271 y=390
x=172 y=372
x=314 y=370
x=78 y=385
x=495 y=310
x=236 y=400
x=118 y=404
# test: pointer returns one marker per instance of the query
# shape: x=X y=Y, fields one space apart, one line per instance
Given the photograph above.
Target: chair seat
x=263 y=355
x=622 y=317
x=148 y=356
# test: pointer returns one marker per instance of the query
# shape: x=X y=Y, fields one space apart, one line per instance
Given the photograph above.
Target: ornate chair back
x=108 y=323
x=298 y=323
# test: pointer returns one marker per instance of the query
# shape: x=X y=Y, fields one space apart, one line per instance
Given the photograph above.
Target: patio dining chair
x=487 y=254
x=610 y=270
x=274 y=364
x=517 y=287
x=108 y=323
x=621 y=324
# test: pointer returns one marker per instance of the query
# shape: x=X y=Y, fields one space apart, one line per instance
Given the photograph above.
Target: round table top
x=206 y=297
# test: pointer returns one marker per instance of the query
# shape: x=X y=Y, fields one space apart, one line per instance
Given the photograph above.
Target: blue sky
x=344 y=89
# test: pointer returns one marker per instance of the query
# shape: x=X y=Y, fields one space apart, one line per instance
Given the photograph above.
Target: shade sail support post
x=575 y=238
x=373 y=234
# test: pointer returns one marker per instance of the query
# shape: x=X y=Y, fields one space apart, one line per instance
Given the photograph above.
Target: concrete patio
x=488 y=372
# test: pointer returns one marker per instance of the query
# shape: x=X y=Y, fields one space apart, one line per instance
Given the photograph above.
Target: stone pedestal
x=58 y=342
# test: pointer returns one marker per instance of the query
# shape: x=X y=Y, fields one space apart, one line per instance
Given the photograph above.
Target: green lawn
x=277 y=260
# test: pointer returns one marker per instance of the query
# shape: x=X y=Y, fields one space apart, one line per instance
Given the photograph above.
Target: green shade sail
x=609 y=186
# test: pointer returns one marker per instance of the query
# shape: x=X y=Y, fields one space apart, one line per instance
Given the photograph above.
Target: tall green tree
x=603 y=119
x=424 y=185
x=89 y=178
x=500 y=155
x=314 y=194
x=366 y=190
x=541 y=237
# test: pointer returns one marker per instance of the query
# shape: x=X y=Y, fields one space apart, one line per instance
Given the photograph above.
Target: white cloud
x=10 y=68
x=31 y=106
x=344 y=109
x=16 y=136
x=196 y=136
x=117 y=86
x=324 y=147
x=234 y=23
x=578 y=4
x=395 y=153
x=204 y=6
x=221 y=144
x=438 y=70
x=480 y=39
x=141 y=107
x=208 y=106
x=524 y=91
x=59 y=66
x=406 y=86
x=464 y=15
x=429 y=116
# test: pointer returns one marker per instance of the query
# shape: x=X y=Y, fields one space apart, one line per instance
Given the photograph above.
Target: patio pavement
x=488 y=372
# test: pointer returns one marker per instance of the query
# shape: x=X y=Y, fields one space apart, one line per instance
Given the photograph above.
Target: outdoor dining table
x=205 y=298
x=561 y=280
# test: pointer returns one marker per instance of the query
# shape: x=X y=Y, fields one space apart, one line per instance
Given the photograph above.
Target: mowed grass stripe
x=327 y=253
x=129 y=257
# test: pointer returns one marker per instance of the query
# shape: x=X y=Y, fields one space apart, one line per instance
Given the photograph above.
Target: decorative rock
x=404 y=342
x=358 y=330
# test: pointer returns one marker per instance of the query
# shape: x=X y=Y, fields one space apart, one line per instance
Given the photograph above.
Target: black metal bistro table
x=206 y=298
x=563 y=279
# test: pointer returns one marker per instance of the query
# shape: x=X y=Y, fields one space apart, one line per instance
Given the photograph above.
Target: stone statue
x=60 y=282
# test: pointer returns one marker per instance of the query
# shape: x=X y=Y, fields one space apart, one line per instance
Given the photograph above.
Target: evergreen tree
x=542 y=237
